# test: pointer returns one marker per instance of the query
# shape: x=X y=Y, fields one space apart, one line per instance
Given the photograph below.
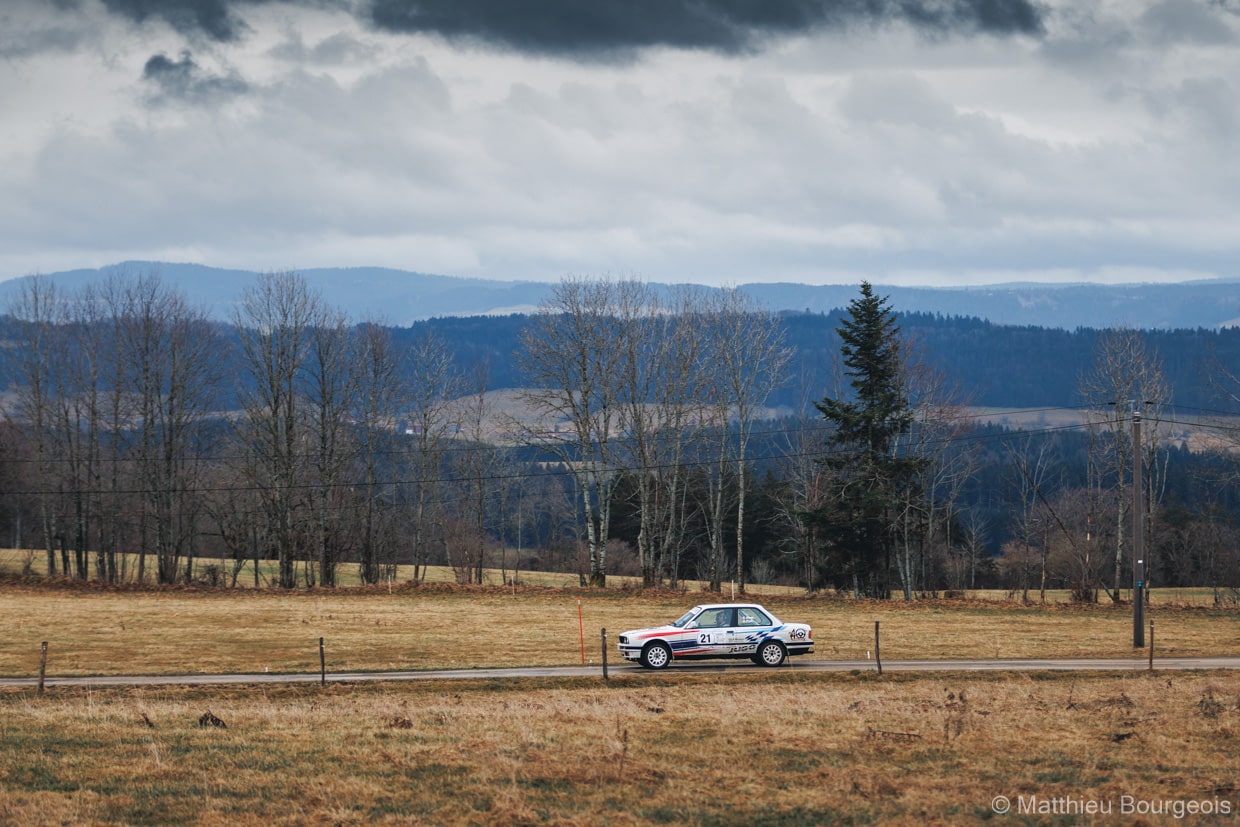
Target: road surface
x=628 y=670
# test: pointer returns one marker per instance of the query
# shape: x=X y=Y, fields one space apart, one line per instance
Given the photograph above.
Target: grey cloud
x=29 y=28
x=1185 y=21
x=578 y=28
x=19 y=44
x=575 y=28
x=1204 y=107
x=214 y=18
x=184 y=80
x=336 y=50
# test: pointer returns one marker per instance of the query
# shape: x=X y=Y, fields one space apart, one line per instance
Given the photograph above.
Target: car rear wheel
x=656 y=655
x=771 y=653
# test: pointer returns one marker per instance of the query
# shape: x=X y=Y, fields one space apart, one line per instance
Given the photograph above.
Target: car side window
x=753 y=617
x=715 y=619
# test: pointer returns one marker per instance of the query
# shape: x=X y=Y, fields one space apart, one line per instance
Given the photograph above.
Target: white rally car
x=719 y=630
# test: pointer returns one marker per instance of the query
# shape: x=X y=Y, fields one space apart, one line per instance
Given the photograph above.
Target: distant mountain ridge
x=402 y=297
x=398 y=297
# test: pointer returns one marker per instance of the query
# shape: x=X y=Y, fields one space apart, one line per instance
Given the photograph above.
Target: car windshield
x=685 y=618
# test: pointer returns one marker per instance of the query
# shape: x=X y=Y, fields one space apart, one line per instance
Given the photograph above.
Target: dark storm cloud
x=184 y=80
x=577 y=28
x=213 y=18
x=582 y=27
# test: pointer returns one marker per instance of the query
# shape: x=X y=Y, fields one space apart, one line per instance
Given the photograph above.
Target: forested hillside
x=996 y=365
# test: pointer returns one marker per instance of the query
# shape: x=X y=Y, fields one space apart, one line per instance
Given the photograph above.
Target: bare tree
x=973 y=551
x=747 y=353
x=329 y=386
x=1077 y=556
x=1123 y=375
x=433 y=384
x=39 y=313
x=78 y=411
x=660 y=349
x=274 y=322
x=1031 y=471
x=376 y=409
x=938 y=408
x=235 y=509
x=172 y=353
x=803 y=492
x=571 y=360
x=478 y=463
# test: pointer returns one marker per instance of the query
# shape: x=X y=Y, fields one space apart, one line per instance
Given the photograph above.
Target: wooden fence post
x=1151 y=646
x=603 y=634
x=322 y=665
x=42 y=665
x=877 y=657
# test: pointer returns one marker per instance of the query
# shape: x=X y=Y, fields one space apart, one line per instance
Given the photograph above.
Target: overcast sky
x=714 y=141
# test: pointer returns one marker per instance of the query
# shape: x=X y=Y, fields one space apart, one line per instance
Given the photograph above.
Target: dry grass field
x=749 y=746
x=752 y=748
x=186 y=631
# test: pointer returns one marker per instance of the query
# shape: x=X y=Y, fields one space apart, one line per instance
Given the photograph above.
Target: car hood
x=650 y=631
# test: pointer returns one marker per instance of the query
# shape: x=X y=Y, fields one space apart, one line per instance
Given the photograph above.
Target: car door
x=714 y=630
x=752 y=626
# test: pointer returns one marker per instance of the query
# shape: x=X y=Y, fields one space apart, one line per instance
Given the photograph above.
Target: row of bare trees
x=1080 y=537
x=329 y=443
x=653 y=384
x=115 y=385
x=337 y=445
x=297 y=436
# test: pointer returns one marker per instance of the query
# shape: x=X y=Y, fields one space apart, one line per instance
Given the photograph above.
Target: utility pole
x=1138 y=536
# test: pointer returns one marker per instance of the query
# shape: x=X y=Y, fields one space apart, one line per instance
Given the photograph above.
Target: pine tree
x=869 y=476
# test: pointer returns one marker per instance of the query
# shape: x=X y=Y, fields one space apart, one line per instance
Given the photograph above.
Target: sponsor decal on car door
x=752 y=627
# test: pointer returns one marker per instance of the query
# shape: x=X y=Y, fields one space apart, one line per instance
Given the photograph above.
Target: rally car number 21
x=719 y=630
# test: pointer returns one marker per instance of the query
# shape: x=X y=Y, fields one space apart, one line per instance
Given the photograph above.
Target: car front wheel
x=771 y=653
x=656 y=655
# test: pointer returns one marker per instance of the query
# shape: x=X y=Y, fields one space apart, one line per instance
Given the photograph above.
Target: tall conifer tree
x=868 y=473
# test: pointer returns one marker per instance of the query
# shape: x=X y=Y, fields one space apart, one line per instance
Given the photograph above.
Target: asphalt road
x=626 y=669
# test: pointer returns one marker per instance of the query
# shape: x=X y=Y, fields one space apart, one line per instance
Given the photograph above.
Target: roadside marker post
x=42 y=666
x=581 y=632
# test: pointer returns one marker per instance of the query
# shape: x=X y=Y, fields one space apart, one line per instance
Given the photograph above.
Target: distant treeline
x=994 y=365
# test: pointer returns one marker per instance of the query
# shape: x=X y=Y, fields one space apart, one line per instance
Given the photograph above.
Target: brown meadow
x=203 y=631
x=747 y=748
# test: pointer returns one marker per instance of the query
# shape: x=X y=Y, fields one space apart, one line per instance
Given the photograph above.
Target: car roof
x=705 y=606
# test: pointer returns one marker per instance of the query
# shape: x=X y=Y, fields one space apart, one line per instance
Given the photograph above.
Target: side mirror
x=691 y=625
